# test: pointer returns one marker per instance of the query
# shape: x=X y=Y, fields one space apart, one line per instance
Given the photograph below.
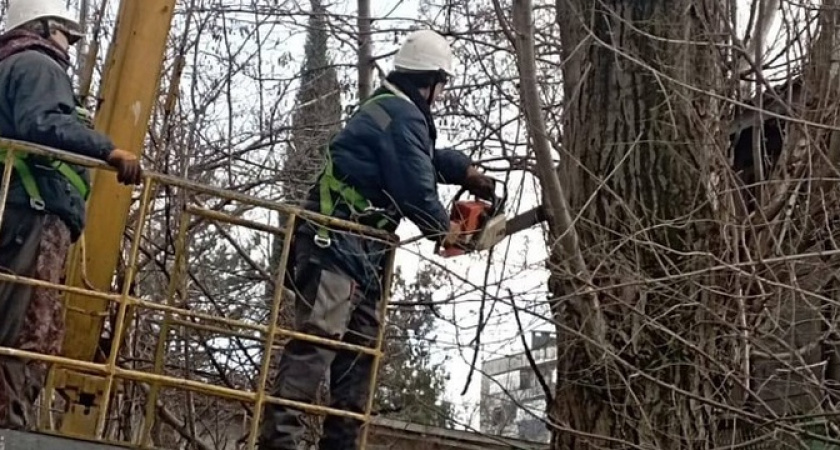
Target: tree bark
x=642 y=139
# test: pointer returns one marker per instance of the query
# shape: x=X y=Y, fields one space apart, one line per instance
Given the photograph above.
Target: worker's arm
x=454 y=167
x=43 y=106
x=408 y=174
x=451 y=166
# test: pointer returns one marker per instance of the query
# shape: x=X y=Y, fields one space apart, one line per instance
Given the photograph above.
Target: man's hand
x=128 y=166
x=479 y=184
x=454 y=235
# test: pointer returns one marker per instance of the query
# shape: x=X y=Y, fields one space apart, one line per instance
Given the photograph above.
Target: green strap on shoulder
x=73 y=178
x=329 y=184
x=30 y=185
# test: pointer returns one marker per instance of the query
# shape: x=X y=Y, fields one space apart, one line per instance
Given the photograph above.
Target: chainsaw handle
x=459 y=194
x=498 y=202
x=493 y=210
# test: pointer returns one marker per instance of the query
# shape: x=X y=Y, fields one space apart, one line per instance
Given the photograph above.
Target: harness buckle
x=367 y=212
x=321 y=241
x=37 y=204
x=370 y=209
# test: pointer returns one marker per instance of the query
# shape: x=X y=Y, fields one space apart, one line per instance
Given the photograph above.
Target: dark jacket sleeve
x=451 y=166
x=44 y=108
x=408 y=173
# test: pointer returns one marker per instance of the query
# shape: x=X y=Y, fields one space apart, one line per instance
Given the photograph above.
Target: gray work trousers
x=328 y=303
x=33 y=245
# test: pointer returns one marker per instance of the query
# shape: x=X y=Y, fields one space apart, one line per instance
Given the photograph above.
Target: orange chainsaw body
x=472 y=215
x=483 y=223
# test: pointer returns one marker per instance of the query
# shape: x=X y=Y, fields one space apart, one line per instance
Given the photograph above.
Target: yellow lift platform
x=84 y=382
x=171 y=307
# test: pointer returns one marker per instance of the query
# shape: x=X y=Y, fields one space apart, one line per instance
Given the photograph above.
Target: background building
x=512 y=400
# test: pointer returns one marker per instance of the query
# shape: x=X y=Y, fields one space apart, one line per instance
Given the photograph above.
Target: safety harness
x=30 y=184
x=359 y=206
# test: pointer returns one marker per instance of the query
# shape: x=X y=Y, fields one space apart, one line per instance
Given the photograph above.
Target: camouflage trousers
x=32 y=319
x=328 y=303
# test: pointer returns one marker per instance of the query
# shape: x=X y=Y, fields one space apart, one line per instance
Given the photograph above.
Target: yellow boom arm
x=131 y=83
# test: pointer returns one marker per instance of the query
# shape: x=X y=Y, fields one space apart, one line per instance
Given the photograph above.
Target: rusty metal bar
x=217 y=330
x=145 y=304
x=267 y=334
x=124 y=301
x=272 y=331
x=175 y=281
x=46 y=396
x=191 y=385
x=214 y=329
x=383 y=316
x=248 y=326
x=222 y=217
x=58 y=287
x=338 y=224
x=8 y=165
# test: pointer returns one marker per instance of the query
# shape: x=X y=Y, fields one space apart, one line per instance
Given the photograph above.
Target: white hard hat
x=24 y=11
x=423 y=51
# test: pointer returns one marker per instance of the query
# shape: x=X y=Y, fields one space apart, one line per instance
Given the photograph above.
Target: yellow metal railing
x=178 y=314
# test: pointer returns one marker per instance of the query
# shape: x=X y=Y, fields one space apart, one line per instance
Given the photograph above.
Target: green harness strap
x=329 y=184
x=30 y=185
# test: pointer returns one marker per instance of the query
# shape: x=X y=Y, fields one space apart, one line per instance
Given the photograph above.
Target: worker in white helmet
x=45 y=209
x=382 y=167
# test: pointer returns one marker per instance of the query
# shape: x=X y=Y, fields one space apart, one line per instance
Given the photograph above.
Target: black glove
x=129 y=170
x=479 y=184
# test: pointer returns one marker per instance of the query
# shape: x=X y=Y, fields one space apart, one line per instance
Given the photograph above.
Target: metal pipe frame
x=267 y=335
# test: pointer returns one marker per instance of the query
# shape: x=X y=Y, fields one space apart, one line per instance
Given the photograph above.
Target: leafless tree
x=684 y=149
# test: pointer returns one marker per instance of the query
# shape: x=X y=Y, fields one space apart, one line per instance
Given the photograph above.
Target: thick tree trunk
x=642 y=140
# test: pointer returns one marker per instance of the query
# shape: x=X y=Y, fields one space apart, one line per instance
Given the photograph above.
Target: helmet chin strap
x=440 y=77
x=46 y=25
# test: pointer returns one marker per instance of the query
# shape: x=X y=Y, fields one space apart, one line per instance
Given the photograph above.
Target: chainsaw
x=484 y=224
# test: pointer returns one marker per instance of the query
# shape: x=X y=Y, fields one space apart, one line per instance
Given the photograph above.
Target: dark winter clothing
x=17 y=41
x=406 y=83
x=35 y=245
x=37 y=105
x=398 y=170
x=390 y=159
x=328 y=304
